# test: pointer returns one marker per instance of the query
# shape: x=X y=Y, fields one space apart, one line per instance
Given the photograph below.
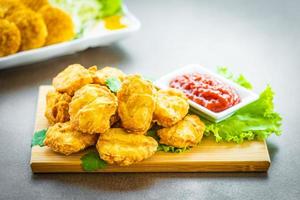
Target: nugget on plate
x=57 y=107
x=186 y=133
x=8 y=7
x=116 y=146
x=101 y=75
x=10 y=38
x=35 y=4
x=171 y=107
x=72 y=78
x=32 y=28
x=59 y=24
x=63 y=139
x=136 y=103
x=92 y=108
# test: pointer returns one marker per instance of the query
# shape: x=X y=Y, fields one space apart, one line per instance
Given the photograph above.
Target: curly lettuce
x=257 y=120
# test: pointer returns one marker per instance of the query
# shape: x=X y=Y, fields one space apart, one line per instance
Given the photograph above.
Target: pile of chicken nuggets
x=30 y=24
x=82 y=111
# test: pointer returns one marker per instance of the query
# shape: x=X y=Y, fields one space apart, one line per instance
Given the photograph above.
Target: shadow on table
x=42 y=72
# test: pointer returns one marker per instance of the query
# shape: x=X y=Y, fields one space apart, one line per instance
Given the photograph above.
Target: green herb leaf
x=113 y=83
x=38 y=138
x=92 y=162
x=257 y=120
x=241 y=80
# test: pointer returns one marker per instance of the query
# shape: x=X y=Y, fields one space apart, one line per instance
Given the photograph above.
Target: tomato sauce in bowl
x=206 y=91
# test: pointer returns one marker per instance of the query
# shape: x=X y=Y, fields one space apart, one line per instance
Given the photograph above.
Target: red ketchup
x=206 y=91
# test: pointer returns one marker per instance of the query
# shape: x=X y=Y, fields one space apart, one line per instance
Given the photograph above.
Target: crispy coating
x=101 y=75
x=57 y=107
x=10 y=38
x=116 y=146
x=63 y=139
x=35 y=4
x=71 y=79
x=91 y=109
x=171 y=107
x=186 y=133
x=59 y=24
x=8 y=7
x=32 y=28
x=136 y=104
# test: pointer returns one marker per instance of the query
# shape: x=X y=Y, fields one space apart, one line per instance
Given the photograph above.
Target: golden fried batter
x=59 y=24
x=116 y=146
x=63 y=139
x=57 y=107
x=171 y=107
x=71 y=79
x=91 y=109
x=136 y=103
x=10 y=38
x=107 y=72
x=8 y=7
x=35 y=4
x=186 y=133
x=32 y=28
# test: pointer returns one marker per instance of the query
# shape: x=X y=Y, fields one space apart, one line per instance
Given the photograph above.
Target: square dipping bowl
x=246 y=96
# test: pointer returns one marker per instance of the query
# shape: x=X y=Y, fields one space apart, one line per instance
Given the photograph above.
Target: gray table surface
x=257 y=38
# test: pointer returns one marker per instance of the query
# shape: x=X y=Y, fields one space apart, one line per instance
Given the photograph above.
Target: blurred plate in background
x=98 y=36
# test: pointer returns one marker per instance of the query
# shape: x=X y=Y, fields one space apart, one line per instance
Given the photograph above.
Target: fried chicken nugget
x=10 y=38
x=57 y=107
x=35 y=4
x=32 y=28
x=136 y=104
x=101 y=75
x=71 y=79
x=116 y=146
x=171 y=107
x=59 y=24
x=92 y=108
x=8 y=7
x=186 y=133
x=63 y=139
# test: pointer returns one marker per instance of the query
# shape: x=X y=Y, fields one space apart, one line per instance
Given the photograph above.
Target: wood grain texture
x=209 y=156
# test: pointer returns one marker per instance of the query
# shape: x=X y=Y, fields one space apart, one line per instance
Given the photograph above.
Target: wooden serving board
x=209 y=156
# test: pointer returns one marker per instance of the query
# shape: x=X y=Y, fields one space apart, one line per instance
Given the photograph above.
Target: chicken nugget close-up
x=32 y=28
x=63 y=139
x=71 y=79
x=57 y=107
x=10 y=38
x=59 y=24
x=8 y=7
x=100 y=76
x=171 y=107
x=35 y=4
x=186 y=133
x=136 y=104
x=92 y=108
x=116 y=146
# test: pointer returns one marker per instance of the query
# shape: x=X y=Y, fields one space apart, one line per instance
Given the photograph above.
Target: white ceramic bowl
x=246 y=96
x=96 y=37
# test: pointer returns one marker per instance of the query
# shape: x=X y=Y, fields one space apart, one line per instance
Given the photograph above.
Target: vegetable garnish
x=113 y=83
x=257 y=120
x=92 y=162
x=38 y=138
x=241 y=80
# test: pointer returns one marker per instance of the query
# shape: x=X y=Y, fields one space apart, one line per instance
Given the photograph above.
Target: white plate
x=246 y=96
x=98 y=37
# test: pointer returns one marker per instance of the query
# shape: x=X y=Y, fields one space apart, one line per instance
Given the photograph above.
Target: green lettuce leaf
x=92 y=162
x=241 y=80
x=38 y=138
x=114 y=84
x=257 y=120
